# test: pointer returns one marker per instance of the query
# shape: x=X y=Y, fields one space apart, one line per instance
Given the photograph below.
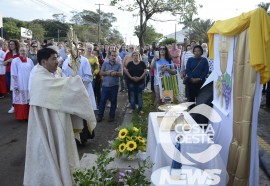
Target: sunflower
x=133 y=138
x=122 y=147
x=122 y=133
x=141 y=139
x=131 y=145
x=135 y=129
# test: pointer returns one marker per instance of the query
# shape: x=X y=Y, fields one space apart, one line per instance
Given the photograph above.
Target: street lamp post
x=58 y=35
x=99 y=30
x=175 y=33
x=99 y=23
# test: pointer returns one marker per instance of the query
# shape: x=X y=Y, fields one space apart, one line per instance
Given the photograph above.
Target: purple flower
x=122 y=174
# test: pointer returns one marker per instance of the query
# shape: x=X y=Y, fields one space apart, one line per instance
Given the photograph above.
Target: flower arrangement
x=129 y=141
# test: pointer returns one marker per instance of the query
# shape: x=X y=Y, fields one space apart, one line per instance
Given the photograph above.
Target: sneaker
x=128 y=105
x=11 y=110
x=141 y=112
x=130 y=111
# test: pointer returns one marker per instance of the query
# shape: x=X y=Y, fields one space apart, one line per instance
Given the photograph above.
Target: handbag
x=185 y=80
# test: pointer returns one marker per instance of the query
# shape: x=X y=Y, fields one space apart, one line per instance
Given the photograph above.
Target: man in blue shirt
x=111 y=71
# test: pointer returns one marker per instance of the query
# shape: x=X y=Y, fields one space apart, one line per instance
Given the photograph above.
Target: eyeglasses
x=162 y=48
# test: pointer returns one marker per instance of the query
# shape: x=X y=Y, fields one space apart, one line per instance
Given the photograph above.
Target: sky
x=28 y=10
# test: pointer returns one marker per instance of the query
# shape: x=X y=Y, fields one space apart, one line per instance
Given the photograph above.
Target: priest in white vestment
x=57 y=109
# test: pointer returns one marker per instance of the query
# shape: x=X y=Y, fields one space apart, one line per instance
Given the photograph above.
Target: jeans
x=147 y=79
x=97 y=90
x=136 y=89
x=123 y=83
x=93 y=83
x=268 y=95
x=193 y=90
x=8 y=78
x=152 y=84
x=111 y=94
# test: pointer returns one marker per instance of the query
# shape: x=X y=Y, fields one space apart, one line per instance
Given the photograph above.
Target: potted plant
x=129 y=142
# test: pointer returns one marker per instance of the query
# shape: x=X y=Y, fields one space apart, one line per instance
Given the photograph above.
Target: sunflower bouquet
x=129 y=142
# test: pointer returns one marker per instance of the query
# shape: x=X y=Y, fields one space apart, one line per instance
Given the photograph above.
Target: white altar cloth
x=160 y=158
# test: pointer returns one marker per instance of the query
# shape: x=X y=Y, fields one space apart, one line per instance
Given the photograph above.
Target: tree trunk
x=141 y=42
x=142 y=30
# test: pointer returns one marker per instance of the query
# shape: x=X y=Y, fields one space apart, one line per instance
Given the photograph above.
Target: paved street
x=12 y=146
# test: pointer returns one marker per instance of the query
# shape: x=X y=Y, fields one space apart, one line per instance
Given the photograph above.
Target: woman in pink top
x=175 y=55
x=13 y=52
x=118 y=58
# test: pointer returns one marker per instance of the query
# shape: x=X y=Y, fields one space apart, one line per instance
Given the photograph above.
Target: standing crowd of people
x=106 y=68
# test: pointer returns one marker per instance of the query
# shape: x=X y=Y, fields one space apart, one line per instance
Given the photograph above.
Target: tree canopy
x=168 y=41
x=265 y=6
x=150 y=34
x=146 y=9
x=198 y=30
x=85 y=25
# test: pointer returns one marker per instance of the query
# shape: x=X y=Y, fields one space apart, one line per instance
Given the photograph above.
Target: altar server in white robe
x=20 y=71
x=57 y=108
x=85 y=73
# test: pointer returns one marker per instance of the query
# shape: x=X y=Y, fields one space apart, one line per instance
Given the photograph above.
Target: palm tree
x=188 y=22
x=265 y=6
x=199 y=29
